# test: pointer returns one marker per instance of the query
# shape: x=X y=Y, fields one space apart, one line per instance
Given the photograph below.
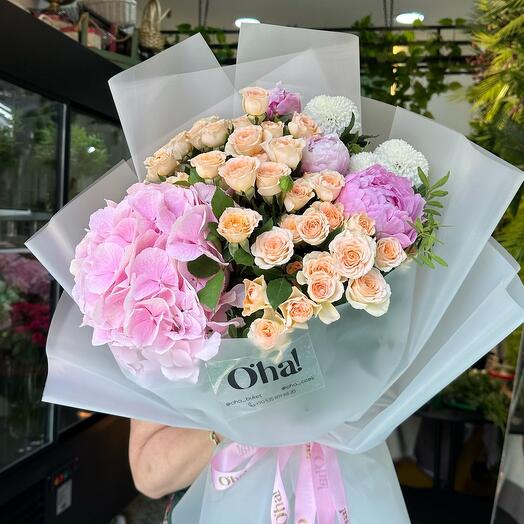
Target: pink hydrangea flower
x=385 y=197
x=132 y=282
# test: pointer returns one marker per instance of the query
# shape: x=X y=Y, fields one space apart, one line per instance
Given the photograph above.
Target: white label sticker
x=64 y=496
x=256 y=382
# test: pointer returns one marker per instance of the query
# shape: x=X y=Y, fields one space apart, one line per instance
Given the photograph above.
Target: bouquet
x=278 y=275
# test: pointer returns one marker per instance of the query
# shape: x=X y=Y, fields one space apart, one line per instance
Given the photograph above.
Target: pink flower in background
x=385 y=197
x=282 y=102
x=132 y=282
x=31 y=319
x=26 y=275
x=325 y=152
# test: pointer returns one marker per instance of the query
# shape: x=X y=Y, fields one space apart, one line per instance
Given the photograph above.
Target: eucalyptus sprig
x=427 y=229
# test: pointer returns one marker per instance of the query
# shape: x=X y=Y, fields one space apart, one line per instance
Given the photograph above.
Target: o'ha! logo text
x=245 y=377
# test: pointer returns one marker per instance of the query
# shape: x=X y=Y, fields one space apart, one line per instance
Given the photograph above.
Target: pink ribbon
x=319 y=493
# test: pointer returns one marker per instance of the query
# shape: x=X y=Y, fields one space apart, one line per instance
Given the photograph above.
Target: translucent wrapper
x=346 y=385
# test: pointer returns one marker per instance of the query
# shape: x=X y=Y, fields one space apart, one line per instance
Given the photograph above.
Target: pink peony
x=282 y=102
x=132 y=282
x=325 y=152
x=385 y=197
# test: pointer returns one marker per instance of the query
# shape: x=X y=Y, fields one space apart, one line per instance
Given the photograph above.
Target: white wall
x=451 y=112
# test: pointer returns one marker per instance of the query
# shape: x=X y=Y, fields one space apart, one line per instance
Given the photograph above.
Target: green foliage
x=8 y=295
x=354 y=141
x=86 y=165
x=511 y=232
x=193 y=177
x=220 y=202
x=203 y=267
x=7 y=150
x=400 y=70
x=266 y=226
x=268 y=274
x=30 y=132
x=499 y=37
x=478 y=391
x=278 y=291
x=216 y=39
x=511 y=348
x=285 y=183
x=87 y=153
x=427 y=230
x=242 y=257
x=213 y=235
x=210 y=293
x=498 y=97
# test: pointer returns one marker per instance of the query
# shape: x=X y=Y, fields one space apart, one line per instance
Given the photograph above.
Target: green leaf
x=285 y=183
x=325 y=245
x=355 y=149
x=243 y=257
x=423 y=177
x=427 y=261
x=442 y=181
x=232 y=331
x=233 y=248
x=439 y=260
x=268 y=274
x=453 y=86
x=278 y=291
x=221 y=202
x=193 y=177
x=346 y=136
x=203 y=267
x=210 y=293
x=245 y=245
x=214 y=237
x=249 y=193
x=266 y=226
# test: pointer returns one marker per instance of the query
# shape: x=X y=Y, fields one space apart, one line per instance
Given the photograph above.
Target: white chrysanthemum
x=333 y=113
x=402 y=159
x=362 y=161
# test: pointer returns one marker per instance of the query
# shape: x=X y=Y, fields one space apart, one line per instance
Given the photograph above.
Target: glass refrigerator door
x=95 y=146
x=29 y=143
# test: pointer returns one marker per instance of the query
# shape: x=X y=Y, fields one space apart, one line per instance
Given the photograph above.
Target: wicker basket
x=150 y=34
x=121 y=12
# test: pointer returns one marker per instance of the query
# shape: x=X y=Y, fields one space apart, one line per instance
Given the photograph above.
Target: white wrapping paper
x=376 y=371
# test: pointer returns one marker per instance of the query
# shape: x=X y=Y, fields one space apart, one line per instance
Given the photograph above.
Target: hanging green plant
x=398 y=69
x=498 y=98
x=215 y=38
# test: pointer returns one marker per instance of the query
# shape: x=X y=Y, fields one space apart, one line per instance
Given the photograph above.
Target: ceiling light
x=409 y=18
x=240 y=21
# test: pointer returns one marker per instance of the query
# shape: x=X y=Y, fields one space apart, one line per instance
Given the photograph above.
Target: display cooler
x=58 y=132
